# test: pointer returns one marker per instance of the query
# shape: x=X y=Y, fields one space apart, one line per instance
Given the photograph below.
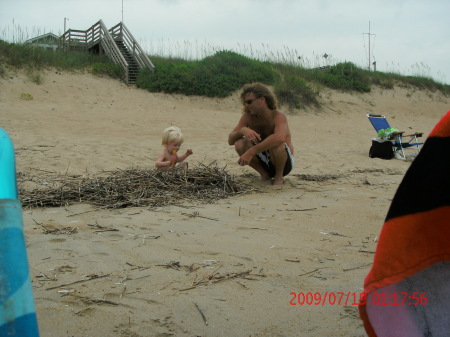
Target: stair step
x=133 y=65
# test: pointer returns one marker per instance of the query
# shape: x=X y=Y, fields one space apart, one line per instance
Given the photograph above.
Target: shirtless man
x=262 y=137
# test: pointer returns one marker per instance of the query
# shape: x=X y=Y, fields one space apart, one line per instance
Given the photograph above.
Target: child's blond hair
x=171 y=135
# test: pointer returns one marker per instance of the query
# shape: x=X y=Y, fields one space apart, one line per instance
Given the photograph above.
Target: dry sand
x=310 y=236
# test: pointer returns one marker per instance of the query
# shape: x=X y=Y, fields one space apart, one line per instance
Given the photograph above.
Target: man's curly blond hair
x=260 y=90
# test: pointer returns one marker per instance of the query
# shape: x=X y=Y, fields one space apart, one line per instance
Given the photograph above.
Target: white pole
x=369 y=45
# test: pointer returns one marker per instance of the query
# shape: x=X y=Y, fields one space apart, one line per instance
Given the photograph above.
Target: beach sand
x=130 y=271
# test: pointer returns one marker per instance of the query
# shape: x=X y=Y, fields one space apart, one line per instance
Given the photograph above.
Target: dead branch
x=91 y=277
x=201 y=313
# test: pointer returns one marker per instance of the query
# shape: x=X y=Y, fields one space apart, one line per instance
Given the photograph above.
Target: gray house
x=47 y=41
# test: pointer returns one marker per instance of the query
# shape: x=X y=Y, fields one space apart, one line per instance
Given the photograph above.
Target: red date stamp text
x=354 y=298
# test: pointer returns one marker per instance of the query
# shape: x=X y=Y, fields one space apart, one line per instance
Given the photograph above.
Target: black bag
x=381 y=150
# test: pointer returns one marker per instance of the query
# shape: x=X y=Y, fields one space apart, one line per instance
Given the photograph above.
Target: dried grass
x=132 y=187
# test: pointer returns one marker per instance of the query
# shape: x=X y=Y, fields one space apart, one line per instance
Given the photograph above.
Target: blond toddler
x=169 y=158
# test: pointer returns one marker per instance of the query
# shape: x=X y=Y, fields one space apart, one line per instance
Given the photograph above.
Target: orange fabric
x=442 y=129
x=409 y=244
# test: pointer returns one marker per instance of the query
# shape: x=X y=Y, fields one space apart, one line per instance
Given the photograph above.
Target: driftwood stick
x=201 y=313
x=89 y=300
x=168 y=284
x=232 y=276
x=301 y=210
x=243 y=285
x=103 y=228
x=92 y=210
x=138 y=278
x=310 y=272
x=212 y=279
x=196 y=215
x=188 y=288
x=366 y=251
x=79 y=281
x=211 y=275
x=364 y=265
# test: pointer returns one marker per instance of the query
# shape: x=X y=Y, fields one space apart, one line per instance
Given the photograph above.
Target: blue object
x=399 y=140
x=8 y=185
x=17 y=311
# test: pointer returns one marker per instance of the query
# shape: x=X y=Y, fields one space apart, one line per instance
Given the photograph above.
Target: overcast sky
x=411 y=37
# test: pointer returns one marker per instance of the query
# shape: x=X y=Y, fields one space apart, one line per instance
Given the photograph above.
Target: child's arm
x=162 y=162
x=184 y=156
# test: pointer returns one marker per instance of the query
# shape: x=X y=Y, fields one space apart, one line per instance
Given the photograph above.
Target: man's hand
x=251 y=135
x=246 y=158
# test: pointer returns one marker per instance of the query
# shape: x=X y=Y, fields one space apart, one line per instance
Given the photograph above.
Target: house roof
x=46 y=37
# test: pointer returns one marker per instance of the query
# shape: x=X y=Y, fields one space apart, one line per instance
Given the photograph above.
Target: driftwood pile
x=132 y=187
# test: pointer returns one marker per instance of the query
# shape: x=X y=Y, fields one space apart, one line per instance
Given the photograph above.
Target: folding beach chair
x=399 y=140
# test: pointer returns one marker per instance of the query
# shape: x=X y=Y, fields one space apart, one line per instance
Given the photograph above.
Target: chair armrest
x=395 y=134
x=417 y=134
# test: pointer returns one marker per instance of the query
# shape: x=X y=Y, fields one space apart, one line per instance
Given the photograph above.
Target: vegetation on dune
x=23 y=56
x=214 y=76
x=218 y=75
x=34 y=59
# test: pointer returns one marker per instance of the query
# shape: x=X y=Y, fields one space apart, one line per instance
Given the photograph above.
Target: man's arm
x=237 y=131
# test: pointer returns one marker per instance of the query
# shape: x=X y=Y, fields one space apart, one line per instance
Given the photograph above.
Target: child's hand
x=189 y=152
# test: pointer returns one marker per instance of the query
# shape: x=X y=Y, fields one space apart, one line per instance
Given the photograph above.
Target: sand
x=130 y=272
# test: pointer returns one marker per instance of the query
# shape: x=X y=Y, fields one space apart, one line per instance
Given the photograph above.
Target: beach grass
x=206 y=70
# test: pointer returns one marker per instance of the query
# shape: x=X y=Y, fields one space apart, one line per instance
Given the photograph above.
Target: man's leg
x=278 y=157
x=241 y=146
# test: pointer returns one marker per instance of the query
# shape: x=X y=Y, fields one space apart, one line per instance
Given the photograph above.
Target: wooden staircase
x=117 y=43
x=133 y=66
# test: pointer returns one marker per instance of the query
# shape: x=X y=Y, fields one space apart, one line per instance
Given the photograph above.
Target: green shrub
x=34 y=75
x=2 y=69
x=28 y=56
x=344 y=76
x=215 y=76
x=168 y=77
x=26 y=97
x=111 y=69
x=295 y=92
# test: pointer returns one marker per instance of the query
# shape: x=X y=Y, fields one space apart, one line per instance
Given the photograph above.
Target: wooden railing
x=99 y=34
x=110 y=48
x=121 y=33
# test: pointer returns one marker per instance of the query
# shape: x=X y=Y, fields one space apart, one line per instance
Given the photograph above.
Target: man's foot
x=278 y=181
